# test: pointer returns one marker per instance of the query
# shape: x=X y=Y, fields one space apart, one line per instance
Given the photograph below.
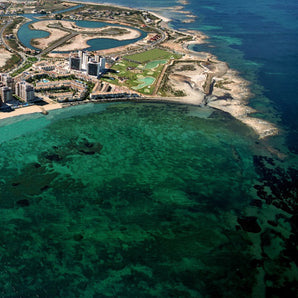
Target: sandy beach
x=186 y=16
x=30 y=110
x=163 y=18
x=229 y=92
x=103 y=4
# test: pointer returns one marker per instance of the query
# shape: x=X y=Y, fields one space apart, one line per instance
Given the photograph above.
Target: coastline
x=102 y=4
x=163 y=18
x=96 y=187
x=262 y=128
x=236 y=105
x=30 y=110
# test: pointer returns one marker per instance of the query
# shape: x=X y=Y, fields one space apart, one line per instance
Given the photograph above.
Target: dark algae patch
x=278 y=187
x=138 y=200
x=249 y=224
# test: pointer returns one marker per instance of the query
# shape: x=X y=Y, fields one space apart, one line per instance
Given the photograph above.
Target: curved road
x=23 y=56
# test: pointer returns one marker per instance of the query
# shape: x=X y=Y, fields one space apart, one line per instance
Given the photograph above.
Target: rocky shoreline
x=197 y=78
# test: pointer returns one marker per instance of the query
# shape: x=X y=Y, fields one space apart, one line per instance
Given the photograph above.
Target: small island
x=154 y=63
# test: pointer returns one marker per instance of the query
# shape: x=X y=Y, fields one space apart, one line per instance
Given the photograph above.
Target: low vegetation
x=9 y=30
x=113 y=31
x=151 y=55
x=51 y=5
x=32 y=59
x=141 y=77
x=11 y=62
x=187 y=67
x=186 y=38
x=221 y=84
x=140 y=71
x=27 y=65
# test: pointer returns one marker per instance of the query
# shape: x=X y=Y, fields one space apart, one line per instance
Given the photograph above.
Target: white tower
x=102 y=62
x=85 y=60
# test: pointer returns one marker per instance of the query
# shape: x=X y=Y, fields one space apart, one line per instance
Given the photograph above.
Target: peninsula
x=134 y=56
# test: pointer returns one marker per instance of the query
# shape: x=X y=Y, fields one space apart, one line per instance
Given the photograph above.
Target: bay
x=160 y=200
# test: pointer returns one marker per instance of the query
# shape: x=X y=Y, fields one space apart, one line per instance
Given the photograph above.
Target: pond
x=25 y=34
x=147 y=81
x=154 y=64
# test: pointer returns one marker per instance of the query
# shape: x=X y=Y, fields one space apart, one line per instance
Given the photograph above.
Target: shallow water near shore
x=125 y=199
x=161 y=200
x=135 y=200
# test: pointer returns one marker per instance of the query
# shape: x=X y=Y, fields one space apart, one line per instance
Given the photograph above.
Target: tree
x=58 y=16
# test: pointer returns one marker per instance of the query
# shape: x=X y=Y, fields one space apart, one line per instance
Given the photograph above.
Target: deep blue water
x=259 y=39
x=150 y=200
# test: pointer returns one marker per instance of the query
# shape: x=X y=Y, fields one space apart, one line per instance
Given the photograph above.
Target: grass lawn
x=142 y=74
x=137 y=76
x=151 y=55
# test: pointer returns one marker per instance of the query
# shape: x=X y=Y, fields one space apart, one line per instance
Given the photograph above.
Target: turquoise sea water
x=161 y=200
x=124 y=199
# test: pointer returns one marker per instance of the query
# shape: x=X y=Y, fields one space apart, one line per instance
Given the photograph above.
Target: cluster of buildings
x=96 y=14
x=8 y=87
x=25 y=91
x=83 y=61
x=155 y=38
x=62 y=81
x=77 y=89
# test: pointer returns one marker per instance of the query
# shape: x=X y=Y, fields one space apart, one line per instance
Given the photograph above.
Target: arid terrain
x=4 y=56
x=213 y=83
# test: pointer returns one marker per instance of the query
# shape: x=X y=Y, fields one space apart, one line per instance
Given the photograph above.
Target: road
x=58 y=43
x=161 y=77
x=161 y=32
x=64 y=39
x=151 y=45
x=3 y=39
